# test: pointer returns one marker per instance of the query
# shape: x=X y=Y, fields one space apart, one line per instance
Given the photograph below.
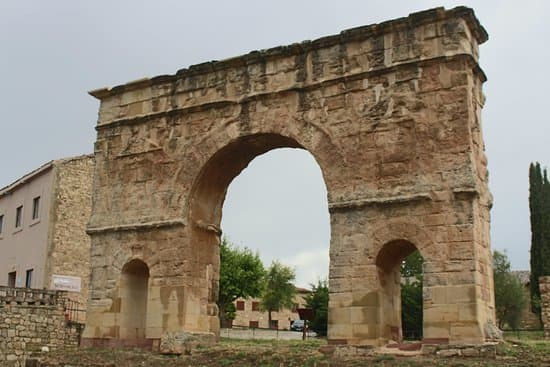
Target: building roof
x=8 y=189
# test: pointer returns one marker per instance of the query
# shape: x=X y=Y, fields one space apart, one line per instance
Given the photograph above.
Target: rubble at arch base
x=487 y=350
x=391 y=113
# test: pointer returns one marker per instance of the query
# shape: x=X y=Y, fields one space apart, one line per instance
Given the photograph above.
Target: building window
x=255 y=306
x=35 y=207
x=18 y=216
x=1 y=223
x=28 y=279
x=254 y=324
x=11 y=279
x=240 y=305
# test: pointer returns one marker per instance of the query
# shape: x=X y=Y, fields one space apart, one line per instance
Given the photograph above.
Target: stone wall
x=544 y=286
x=529 y=319
x=31 y=319
x=68 y=243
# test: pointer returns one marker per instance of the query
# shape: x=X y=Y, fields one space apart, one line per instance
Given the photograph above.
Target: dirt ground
x=258 y=353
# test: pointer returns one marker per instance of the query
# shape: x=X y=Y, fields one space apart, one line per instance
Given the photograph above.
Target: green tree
x=279 y=289
x=242 y=274
x=509 y=296
x=412 y=266
x=317 y=300
x=539 y=207
x=411 y=293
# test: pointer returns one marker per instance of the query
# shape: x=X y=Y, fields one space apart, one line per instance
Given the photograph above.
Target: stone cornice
x=349 y=35
x=297 y=88
x=137 y=226
x=358 y=203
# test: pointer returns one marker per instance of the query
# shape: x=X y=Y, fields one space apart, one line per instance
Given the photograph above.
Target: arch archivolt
x=129 y=250
x=305 y=135
x=400 y=231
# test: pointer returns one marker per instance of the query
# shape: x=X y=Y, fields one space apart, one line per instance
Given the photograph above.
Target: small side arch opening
x=134 y=286
x=399 y=266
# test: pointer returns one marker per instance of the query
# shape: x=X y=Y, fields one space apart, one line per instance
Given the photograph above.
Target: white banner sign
x=66 y=283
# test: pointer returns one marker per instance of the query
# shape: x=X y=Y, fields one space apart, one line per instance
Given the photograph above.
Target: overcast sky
x=53 y=52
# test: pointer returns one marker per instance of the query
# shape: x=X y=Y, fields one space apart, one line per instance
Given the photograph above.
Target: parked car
x=297 y=325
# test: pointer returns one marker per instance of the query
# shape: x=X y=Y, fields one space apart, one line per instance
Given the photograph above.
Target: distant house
x=248 y=313
x=43 y=217
x=529 y=320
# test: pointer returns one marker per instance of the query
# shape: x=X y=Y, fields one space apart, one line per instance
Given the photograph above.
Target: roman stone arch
x=391 y=113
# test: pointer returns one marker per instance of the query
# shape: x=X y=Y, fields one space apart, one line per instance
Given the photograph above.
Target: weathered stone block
x=470 y=352
x=436 y=330
x=467 y=331
x=448 y=353
x=341 y=331
x=183 y=342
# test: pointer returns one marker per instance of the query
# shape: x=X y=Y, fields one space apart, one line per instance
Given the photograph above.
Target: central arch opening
x=269 y=208
x=278 y=206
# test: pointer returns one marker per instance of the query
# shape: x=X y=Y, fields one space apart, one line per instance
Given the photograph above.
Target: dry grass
x=290 y=353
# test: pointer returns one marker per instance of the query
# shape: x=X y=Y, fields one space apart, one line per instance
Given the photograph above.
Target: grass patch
x=269 y=353
x=384 y=357
x=524 y=335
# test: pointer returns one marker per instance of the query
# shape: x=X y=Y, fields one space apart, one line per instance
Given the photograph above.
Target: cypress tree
x=539 y=206
x=544 y=261
x=534 y=199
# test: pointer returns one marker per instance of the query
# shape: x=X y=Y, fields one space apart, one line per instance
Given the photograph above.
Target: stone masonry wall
x=69 y=245
x=31 y=319
x=544 y=286
x=529 y=320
